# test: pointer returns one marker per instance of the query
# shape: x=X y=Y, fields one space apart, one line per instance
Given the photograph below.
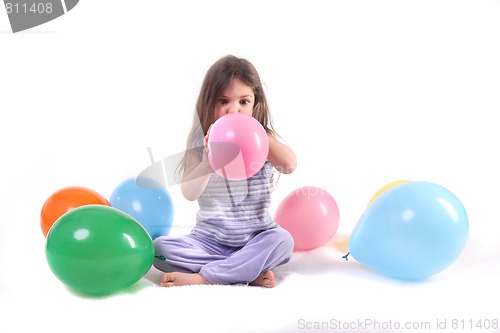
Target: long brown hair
x=218 y=77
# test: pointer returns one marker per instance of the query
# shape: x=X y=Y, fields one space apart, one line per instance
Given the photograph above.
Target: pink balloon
x=238 y=146
x=311 y=215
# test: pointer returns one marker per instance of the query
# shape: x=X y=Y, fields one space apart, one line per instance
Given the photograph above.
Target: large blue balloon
x=411 y=231
x=149 y=203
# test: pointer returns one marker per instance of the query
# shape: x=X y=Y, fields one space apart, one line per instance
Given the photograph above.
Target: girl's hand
x=281 y=156
x=205 y=144
x=205 y=139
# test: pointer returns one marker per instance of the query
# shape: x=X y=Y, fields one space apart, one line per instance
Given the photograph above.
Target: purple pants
x=222 y=264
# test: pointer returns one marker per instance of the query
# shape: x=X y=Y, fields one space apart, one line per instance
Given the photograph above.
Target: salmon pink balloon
x=238 y=146
x=311 y=215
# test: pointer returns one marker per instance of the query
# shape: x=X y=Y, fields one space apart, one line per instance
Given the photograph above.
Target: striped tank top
x=232 y=212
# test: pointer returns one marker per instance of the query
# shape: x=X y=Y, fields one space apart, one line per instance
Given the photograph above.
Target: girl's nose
x=233 y=108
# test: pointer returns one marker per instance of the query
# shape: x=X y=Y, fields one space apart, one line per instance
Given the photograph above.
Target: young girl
x=231 y=243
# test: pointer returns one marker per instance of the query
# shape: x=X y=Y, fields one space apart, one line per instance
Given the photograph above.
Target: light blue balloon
x=149 y=203
x=411 y=231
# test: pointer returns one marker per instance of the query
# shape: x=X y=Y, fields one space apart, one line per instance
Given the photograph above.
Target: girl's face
x=237 y=97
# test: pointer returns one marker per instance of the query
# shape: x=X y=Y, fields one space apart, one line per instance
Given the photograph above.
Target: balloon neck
x=162 y=258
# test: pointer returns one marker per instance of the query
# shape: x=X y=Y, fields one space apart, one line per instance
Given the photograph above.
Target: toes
x=268 y=284
x=166 y=278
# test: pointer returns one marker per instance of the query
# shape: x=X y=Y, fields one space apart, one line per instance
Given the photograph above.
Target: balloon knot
x=345 y=257
x=162 y=258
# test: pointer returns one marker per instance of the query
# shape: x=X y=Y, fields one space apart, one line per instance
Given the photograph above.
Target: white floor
x=318 y=290
x=364 y=92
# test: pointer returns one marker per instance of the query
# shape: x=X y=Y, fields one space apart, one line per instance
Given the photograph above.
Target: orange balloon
x=66 y=199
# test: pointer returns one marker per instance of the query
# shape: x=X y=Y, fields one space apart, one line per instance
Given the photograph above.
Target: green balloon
x=98 y=249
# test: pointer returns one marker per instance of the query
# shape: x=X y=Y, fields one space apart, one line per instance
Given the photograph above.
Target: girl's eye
x=245 y=101
x=223 y=101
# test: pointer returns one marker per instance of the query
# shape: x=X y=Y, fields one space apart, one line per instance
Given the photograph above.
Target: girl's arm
x=281 y=156
x=196 y=175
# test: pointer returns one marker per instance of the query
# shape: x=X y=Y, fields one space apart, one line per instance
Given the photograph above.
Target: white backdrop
x=365 y=92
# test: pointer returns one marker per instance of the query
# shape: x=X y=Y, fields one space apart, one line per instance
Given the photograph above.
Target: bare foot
x=182 y=279
x=266 y=279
